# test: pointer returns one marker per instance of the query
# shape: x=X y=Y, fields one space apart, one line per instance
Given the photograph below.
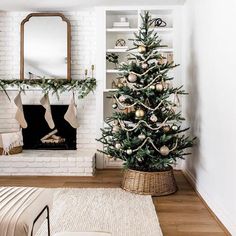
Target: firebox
x=38 y=135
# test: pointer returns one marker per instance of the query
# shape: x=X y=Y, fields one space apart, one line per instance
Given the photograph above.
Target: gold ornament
x=139 y=113
x=141 y=136
x=164 y=150
x=132 y=78
x=141 y=49
x=174 y=127
x=159 y=87
x=118 y=145
x=120 y=85
x=166 y=128
x=129 y=151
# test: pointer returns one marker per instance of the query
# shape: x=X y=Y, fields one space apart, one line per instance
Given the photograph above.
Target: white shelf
x=116 y=50
x=122 y=30
x=113 y=71
x=110 y=90
x=163 y=29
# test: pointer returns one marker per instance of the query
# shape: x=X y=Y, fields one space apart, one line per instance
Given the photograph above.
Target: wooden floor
x=181 y=214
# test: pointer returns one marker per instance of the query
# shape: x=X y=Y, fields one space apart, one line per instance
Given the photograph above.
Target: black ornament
x=120 y=43
x=158 y=22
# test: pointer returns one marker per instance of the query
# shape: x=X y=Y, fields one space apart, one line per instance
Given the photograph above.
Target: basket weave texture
x=13 y=151
x=149 y=183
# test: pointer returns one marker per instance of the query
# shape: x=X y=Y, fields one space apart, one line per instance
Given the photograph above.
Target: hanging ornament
x=153 y=118
x=132 y=78
x=164 y=150
x=115 y=122
x=120 y=85
x=152 y=87
x=159 y=87
x=144 y=65
x=122 y=98
x=142 y=136
x=114 y=105
x=118 y=145
x=139 y=113
x=129 y=151
x=141 y=49
x=174 y=127
x=166 y=128
x=115 y=129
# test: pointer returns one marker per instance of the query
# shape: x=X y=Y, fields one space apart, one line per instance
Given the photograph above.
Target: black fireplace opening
x=38 y=135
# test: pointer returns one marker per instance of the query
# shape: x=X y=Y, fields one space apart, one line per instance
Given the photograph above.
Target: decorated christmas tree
x=145 y=128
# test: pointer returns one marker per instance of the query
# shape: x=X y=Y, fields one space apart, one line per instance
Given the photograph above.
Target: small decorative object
x=152 y=87
x=113 y=58
x=115 y=129
x=174 y=127
x=144 y=65
x=139 y=113
x=122 y=98
x=132 y=78
x=166 y=128
x=159 y=87
x=164 y=150
x=153 y=118
x=120 y=85
x=142 y=136
x=120 y=44
x=141 y=49
x=158 y=22
x=129 y=151
x=123 y=23
x=113 y=85
x=118 y=145
x=114 y=105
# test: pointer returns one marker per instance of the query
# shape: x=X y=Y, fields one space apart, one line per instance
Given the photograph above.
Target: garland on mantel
x=56 y=86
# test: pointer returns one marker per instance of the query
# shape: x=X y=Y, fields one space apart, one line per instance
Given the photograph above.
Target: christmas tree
x=145 y=128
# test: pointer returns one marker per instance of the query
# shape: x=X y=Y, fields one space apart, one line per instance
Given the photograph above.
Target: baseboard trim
x=229 y=231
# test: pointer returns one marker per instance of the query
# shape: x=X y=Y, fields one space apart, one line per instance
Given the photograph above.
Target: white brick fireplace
x=34 y=162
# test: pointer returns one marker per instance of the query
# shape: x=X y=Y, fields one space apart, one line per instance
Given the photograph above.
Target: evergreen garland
x=56 y=86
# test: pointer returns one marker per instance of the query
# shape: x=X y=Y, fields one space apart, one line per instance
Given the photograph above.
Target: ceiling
x=66 y=5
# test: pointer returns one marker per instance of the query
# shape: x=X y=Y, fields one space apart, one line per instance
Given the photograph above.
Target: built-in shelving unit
x=108 y=34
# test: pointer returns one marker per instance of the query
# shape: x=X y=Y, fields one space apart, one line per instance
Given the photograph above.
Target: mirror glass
x=45 y=48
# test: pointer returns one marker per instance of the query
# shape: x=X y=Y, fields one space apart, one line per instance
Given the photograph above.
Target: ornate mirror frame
x=68 y=40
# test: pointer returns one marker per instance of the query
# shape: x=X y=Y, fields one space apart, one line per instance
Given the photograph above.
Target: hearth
x=38 y=135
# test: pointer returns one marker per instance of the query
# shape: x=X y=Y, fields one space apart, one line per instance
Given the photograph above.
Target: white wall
x=209 y=60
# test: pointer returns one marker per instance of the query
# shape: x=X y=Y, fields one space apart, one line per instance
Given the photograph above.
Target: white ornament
x=159 y=87
x=152 y=87
x=122 y=98
x=129 y=151
x=164 y=150
x=144 y=65
x=174 y=127
x=118 y=145
x=114 y=106
x=141 y=136
x=153 y=118
x=115 y=129
x=132 y=78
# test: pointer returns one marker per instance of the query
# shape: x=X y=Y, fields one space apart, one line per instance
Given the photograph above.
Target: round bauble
x=118 y=145
x=141 y=49
x=144 y=65
x=132 y=78
x=141 y=136
x=166 y=128
x=164 y=150
x=115 y=122
x=153 y=118
x=114 y=105
x=174 y=127
x=139 y=113
x=152 y=87
x=122 y=98
x=159 y=87
x=115 y=129
x=120 y=85
x=129 y=151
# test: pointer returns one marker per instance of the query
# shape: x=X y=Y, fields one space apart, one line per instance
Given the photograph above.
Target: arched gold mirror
x=45 y=50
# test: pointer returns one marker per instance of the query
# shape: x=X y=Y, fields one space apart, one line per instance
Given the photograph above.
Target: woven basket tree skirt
x=82 y=234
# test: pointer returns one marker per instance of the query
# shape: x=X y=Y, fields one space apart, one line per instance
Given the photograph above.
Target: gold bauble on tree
x=141 y=49
x=139 y=113
x=120 y=85
x=132 y=78
x=164 y=150
x=166 y=128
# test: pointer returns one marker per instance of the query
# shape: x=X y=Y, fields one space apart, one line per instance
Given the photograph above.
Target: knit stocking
x=20 y=113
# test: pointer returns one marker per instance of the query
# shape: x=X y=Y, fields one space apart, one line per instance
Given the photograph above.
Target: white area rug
x=110 y=210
